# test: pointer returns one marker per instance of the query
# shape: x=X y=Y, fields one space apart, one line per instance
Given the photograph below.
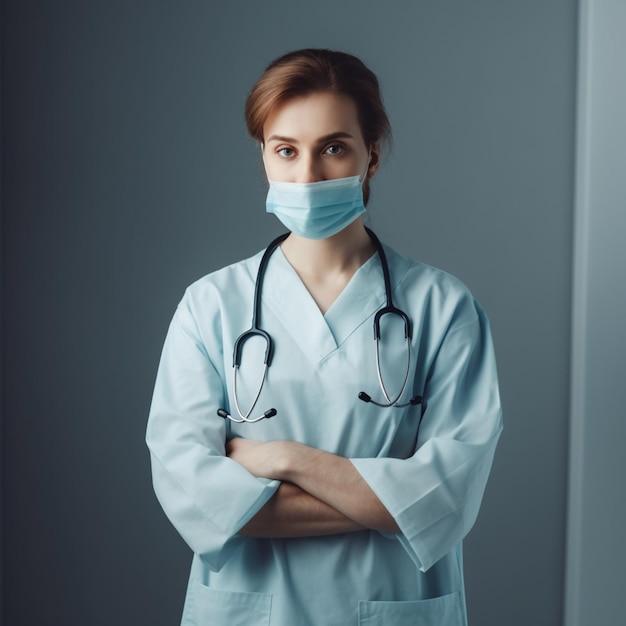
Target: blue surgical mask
x=316 y=210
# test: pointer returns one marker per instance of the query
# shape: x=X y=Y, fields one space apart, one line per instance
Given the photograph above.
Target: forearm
x=334 y=480
x=329 y=478
x=292 y=512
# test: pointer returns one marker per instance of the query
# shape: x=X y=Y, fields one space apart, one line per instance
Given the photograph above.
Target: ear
x=374 y=160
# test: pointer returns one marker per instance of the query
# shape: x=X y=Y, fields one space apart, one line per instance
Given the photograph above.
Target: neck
x=344 y=252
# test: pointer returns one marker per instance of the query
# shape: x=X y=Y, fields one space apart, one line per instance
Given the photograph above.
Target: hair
x=302 y=72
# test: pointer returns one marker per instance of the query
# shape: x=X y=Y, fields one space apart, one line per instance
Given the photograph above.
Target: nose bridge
x=309 y=170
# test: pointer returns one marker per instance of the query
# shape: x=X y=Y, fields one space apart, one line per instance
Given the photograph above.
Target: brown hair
x=303 y=72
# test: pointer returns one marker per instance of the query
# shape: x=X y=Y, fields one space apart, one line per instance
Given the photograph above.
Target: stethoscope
x=256 y=331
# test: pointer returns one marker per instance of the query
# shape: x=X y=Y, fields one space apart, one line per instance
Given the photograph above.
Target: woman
x=341 y=491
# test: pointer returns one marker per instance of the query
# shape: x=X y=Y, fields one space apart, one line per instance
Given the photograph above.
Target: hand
x=327 y=477
x=263 y=460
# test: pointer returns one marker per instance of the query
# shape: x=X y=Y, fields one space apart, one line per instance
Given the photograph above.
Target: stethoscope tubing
x=255 y=330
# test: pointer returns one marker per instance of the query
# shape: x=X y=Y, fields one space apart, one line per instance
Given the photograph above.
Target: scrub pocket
x=205 y=605
x=443 y=611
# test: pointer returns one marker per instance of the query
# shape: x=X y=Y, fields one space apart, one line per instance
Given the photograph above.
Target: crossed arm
x=320 y=494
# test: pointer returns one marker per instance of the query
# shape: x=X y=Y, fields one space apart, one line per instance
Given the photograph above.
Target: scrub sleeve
x=434 y=495
x=193 y=479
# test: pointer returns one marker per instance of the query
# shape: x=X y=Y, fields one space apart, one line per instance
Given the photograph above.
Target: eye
x=335 y=149
x=286 y=153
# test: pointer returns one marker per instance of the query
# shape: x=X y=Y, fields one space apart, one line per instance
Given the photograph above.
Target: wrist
x=285 y=459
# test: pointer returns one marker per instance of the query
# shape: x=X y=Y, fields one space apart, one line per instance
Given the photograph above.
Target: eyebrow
x=324 y=139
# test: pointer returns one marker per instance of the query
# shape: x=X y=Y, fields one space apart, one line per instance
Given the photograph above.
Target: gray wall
x=127 y=175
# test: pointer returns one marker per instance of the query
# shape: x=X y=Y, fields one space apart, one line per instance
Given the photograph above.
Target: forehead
x=307 y=118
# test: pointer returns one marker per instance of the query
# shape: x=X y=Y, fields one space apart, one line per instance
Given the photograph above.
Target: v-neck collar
x=319 y=335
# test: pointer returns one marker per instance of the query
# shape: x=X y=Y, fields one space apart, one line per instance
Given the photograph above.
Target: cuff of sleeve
x=408 y=537
x=219 y=545
x=225 y=498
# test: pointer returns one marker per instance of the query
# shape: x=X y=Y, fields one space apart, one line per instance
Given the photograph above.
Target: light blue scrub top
x=431 y=482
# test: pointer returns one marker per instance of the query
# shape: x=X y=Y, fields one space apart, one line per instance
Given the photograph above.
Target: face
x=316 y=137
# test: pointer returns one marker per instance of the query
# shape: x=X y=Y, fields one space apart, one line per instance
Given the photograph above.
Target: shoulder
x=417 y=276
x=229 y=288
x=435 y=292
x=228 y=278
